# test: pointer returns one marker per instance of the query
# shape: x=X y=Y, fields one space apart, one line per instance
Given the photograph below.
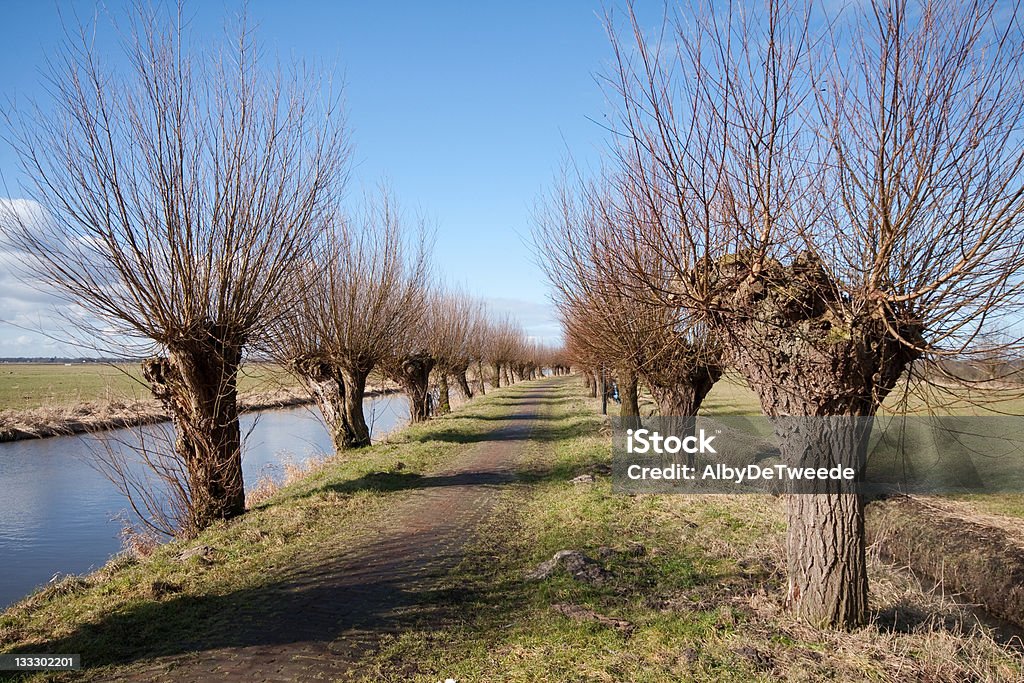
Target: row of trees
x=607 y=321
x=367 y=300
x=827 y=204
x=190 y=203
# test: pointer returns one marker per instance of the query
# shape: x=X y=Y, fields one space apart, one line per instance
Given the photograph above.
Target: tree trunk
x=480 y=378
x=808 y=397
x=444 y=405
x=325 y=384
x=356 y=431
x=591 y=382
x=629 y=411
x=679 y=393
x=506 y=375
x=604 y=392
x=497 y=375
x=414 y=377
x=463 y=382
x=828 y=581
x=198 y=386
x=807 y=355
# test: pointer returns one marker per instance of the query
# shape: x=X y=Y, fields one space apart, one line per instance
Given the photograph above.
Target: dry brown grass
x=962 y=554
x=292 y=471
x=93 y=416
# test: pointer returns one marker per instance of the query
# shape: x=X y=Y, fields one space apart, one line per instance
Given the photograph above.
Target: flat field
x=35 y=385
x=731 y=396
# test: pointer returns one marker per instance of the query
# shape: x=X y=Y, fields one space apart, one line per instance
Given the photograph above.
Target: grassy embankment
x=40 y=399
x=690 y=588
x=121 y=613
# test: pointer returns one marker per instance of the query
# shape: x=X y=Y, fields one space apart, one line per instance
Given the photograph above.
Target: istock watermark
x=818 y=455
x=739 y=475
x=641 y=441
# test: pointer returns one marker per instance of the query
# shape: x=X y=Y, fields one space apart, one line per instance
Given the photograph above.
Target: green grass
x=34 y=385
x=115 y=616
x=731 y=396
x=704 y=596
x=699 y=579
x=1000 y=504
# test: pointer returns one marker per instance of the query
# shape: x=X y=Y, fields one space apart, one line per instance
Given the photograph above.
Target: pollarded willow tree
x=525 y=367
x=840 y=208
x=681 y=359
x=608 y=319
x=579 y=351
x=570 y=237
x=365 y=286
x=177 y=196
x=502 y=346
x=443 y=343
x=476 y=345
x=455 y=318
x=410 y=358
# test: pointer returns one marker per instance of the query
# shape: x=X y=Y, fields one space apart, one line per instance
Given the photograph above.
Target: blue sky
x=467 y=108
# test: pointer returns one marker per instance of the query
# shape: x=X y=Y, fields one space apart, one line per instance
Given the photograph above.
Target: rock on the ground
x=202 y=552
x=632 y=549
x=580 y=613
x=578 y=565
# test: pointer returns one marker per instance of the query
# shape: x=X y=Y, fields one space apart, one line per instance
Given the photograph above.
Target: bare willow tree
x=525 y=366
x=605 y=311
x=354 y=300
x=570 y=238
x=840 y=208
x=177 y=197
x=577 y=348
x=411 y=359
x=502 y=344
x=476 y=343
x=454 y=316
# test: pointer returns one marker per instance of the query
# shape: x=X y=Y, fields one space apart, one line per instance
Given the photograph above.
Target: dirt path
x=319 y=621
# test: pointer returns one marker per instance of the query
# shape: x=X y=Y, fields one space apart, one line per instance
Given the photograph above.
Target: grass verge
x=132 y=610
x=687 y=588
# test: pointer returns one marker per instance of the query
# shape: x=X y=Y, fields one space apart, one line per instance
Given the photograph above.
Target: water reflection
x=59 y=514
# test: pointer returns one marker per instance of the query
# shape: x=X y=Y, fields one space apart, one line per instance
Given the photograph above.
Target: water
x=59 y=514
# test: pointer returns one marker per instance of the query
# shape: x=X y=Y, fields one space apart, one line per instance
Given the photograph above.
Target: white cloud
x=539 y=320
x=14 y=210
x=33 y=319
